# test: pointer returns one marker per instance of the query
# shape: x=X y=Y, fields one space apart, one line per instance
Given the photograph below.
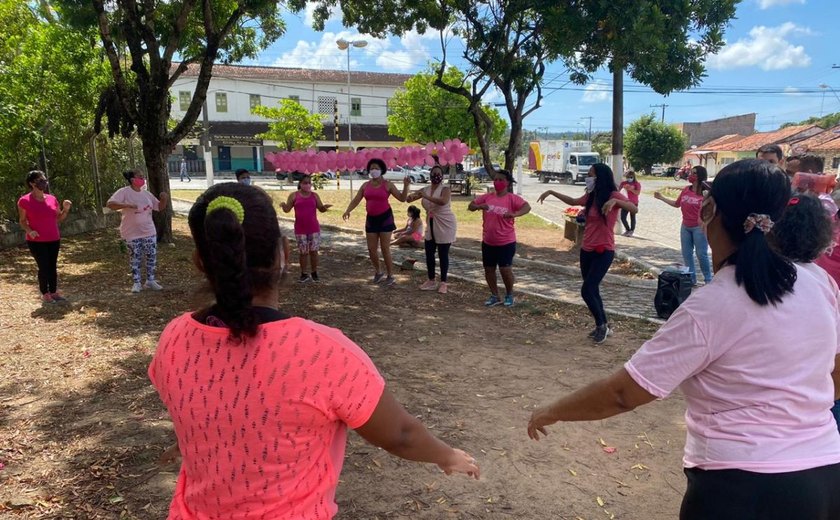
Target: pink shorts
x=417 y=237
x=308 y=243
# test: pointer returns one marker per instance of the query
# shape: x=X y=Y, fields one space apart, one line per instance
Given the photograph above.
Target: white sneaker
x=153 y=285
x=136 y=288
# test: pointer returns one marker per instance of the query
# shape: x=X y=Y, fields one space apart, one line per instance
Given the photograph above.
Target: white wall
x=373 y=98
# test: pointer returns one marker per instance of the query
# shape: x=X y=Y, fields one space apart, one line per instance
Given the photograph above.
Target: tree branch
x=178 y=30
x=114 y=59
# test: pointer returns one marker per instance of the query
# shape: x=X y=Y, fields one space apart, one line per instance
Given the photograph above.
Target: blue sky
x=781 y=45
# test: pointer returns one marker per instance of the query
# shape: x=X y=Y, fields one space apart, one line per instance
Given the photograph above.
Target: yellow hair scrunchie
x=228 y=203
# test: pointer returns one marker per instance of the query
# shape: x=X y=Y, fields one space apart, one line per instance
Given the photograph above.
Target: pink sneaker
x=429 y=285
x=442 y=288
x=47 y=298
x=57 y=297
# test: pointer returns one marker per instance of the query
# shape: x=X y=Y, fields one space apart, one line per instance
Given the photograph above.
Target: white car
x=397 y=174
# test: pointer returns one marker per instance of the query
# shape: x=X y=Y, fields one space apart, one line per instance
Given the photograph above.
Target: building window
x=221 y=102
x=389 y=109
x=355 y=106
x=835 y=162
x=184 y=99
x=296 y=99
x=326 y=104
x=255 y=100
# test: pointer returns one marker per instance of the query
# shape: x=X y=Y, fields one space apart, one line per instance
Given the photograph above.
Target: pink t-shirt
x=376 y=198
x=306 y=216
x=136 y=223
x=757 y=380
x=599 y=231
x=831 y=261
x=42 y=216
x=261 y=425
x=689 y=203
x=498 y=230
x=632 y=197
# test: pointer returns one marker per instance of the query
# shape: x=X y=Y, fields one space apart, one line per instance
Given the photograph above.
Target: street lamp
x=345 y=45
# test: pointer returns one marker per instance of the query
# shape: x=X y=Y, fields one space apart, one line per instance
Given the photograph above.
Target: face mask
x=590 y=184
x=138 y=183
x=437 y=178
x=245 y=180
x=306 y=188
x=500 y=185
x=42 y=184
x=630 y=179
x=692 y=178
x=375 y=174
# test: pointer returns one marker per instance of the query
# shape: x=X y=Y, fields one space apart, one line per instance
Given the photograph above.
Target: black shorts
x=733 y=494
x=502 y=256
x=382 y=223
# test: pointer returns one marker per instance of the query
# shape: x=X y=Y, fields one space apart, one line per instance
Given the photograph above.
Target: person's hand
x=33 y=233
x=508 y=215
x=460 y=461
x=608 y=206
x=327 y=206
x=657 y=195
x=483 y=207
x=171 y=454
x=346 y=215
x=163 y=197
x=66 y=205
x=406 y=180
x=130 y=206
x=544 y=196
x=539 y=420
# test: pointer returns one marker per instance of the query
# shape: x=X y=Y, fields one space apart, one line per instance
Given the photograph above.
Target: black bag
x=672 y=289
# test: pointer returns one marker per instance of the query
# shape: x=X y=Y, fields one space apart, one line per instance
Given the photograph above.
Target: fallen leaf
x=601 y=442
x=116 y=499
x=573 y=472
x=600 y=501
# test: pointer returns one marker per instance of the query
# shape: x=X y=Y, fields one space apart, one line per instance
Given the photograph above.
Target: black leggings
x=442 y=251
x=46 y=256
x=593 y=267
x=632 y=226
x=734 y=494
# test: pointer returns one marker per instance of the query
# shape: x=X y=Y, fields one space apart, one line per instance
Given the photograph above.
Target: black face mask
x=42 y=184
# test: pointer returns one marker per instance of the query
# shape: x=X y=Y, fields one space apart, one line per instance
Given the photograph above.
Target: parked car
x=481 y=174
x=398 y=174
x=670 y=171
x=296 y=176
x=657 y=169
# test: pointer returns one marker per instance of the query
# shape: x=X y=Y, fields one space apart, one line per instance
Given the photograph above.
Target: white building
x=235 y=89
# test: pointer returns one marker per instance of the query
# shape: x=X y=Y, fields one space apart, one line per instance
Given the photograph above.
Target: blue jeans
x=836 y=412
x=693 y=240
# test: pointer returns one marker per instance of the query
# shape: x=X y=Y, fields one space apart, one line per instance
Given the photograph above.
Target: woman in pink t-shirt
x=692 y=238
x=261 y=401
x=498 y=238
x=39 y=216
x=306 y=204
x=137 y=227
x=379 y=222
x=633 y=189
x=756 y=354
x=602 y=202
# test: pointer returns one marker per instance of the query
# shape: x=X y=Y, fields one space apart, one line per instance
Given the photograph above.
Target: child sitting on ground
x=412 y=234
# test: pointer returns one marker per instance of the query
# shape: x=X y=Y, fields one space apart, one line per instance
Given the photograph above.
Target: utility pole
x=663 y=106
x=205 y=145
x=589 y=134
x=617 y=158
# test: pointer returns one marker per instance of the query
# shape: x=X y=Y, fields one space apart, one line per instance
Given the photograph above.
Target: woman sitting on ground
x=412 y=234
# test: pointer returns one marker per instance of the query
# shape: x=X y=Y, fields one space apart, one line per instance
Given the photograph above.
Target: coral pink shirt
x=599 y=231
x=498 y=230
x=376 y=198
x=42 y=216
x=306 y=216
x=632 y=197
x=261 y=425
x=757 y=380
x=136 y=223
x=689 y=203
x=831 y=261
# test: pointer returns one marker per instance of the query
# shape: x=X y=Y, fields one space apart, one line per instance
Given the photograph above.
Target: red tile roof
x=822 y=141
x=756 y=141
x=300 y=75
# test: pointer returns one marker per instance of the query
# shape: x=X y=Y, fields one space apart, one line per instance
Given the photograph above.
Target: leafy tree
x=649 y=142
x=291 y=124
x=141 y=41
x=826 y=121
x=602 y=143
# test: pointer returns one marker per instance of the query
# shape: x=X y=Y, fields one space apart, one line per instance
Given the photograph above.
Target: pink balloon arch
x=450 y=151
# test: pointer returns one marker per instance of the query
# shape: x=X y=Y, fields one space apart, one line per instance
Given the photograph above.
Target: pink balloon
x=443 y=159
x=447 y=143
x=392 y=162
x=430 y=161
x=430 y=147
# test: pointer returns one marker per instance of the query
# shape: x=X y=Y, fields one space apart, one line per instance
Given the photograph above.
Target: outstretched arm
x=666 y=200
x=320 y=205
x=355 y=202
x=290 y=202
x=571 y=201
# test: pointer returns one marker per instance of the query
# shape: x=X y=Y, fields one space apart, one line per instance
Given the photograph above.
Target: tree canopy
x=422 y=112
x=649 y=142
x=826 y=121
x=291 y=125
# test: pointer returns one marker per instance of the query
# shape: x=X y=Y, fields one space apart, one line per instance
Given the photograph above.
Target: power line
x=663 y=105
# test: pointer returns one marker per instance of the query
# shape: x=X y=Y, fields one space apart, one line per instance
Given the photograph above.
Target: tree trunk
x=514 y=144
x=155 y=153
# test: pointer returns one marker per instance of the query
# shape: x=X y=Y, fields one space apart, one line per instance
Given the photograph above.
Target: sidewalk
x=622 y=295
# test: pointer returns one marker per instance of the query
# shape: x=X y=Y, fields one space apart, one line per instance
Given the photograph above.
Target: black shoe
x=304 y=278
x=601 y=333
x=314 y=276
x=592 y=333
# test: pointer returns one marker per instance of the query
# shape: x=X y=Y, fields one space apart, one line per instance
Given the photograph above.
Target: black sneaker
x=304 y=278
x=314 y=276
x=592 y=333
x=601 y=333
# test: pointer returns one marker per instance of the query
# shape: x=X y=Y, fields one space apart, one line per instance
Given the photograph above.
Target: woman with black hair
x=261 y=401
x=39 y=215
x=692 y=238
x=137 y=227
x=602 y=202
x=756 y=355
x=379 y=223
x=498 y=234
x=441 y=227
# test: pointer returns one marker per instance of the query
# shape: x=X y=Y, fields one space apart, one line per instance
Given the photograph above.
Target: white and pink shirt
x=136 y=223
x=756 y=379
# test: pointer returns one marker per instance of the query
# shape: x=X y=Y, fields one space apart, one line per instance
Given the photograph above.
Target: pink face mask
x=138 y=182
x=500 y=185
x=692 y=178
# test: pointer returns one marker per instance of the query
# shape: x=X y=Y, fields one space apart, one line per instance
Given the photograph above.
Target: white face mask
x=375 y=174
x=590 y=184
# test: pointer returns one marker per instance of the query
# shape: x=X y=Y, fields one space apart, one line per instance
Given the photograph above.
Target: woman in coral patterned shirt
x=261 y=401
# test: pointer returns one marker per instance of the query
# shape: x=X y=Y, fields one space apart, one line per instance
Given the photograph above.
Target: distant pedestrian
x=692 y=238
x=39 y=215
x=306 y=204
x=441 y=227
x=379 y=223
x=184 y=171
x=633 y=188
x=602 y=202
x=137 y=227
x=498 y=237
x=243 y=176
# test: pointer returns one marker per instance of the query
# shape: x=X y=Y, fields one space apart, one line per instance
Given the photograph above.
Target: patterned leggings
x=137 y=248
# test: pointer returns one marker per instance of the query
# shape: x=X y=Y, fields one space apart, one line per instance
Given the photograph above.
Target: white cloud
x=793 y=91
x=767 y=4
x=326 y=54
x=309 y=15
x=597 y=92
x=413 y=55
x=766 y=48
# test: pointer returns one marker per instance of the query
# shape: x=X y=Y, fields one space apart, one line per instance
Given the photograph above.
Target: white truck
x=565 y=161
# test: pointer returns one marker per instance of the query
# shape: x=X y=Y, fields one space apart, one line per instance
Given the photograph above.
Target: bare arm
x=623 y=204
x=635 y=189
x=445 y=196
x=355 y=202
x=393 y=429
x=610 y=396
x=24 y=223
x=571 y=201
x=163 y=200
x=320 y=205
x=400 y=195
x=64 y=211
x=289 y=204
x=475 y=207
x=666 y=200
x=524 y=210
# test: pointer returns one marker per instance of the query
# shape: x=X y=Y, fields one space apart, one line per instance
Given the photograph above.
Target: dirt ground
x=81 y=427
